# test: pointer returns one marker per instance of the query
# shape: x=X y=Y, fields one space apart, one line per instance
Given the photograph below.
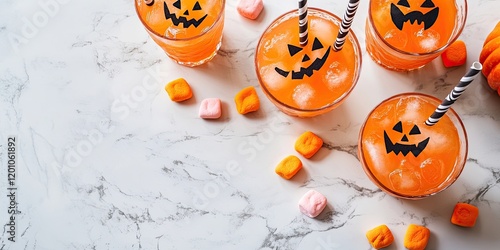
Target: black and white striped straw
x=303 y=22
x=346 y=24
x=455 y=94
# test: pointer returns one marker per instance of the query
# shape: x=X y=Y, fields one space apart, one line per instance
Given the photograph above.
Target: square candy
x=250 y=8
x=288 y=167
x=380 y=237
x=312 y=203
x=247 y=100
x=179 y=90
x=308 y=144
x=210 y=108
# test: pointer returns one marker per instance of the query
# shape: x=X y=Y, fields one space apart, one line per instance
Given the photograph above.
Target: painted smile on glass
x=399 y=18
x=316 y=65
x=404 y=147
x=183 y=19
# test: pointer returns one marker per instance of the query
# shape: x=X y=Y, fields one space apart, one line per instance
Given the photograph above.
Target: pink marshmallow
x=250 y=8
x=312 y=203
x=210 y=108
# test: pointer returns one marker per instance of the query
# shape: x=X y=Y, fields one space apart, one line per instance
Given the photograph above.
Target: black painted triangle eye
x=415 y=130
x=197 y=6
x=317 y=44
x=428 y=4
x=398 y=127
x=177 y=4
x=404 y=3
x=281 y=72
x=293 y=49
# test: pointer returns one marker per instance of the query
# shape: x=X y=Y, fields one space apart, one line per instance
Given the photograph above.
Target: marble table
x=104 y=160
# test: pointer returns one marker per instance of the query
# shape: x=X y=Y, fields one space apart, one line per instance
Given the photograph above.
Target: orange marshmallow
x=288 y=167
x=178 y=90
x=464 y=215
x=308 y=144
x=416 y=237
x=455 y=55
x=380 y=237
x=247 y=100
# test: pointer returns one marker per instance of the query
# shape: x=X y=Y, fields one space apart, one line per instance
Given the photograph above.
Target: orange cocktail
x=408 y=34
x=407 y=158
x=312 y=79
x=189 y=31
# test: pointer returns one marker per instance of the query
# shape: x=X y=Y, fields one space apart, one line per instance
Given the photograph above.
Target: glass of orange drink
x=308 y=80
x=404 y=35
x=406 y=158
x=189 y=31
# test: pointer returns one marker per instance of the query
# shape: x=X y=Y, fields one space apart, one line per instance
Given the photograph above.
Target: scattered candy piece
x=380 y=237
x=250 y=8
x=416 y=237
x=455 y=55
x=312 y=203
x=210 y=108
x=308 y=144
x=288 y=167
x=464 y=215
x=178 y=90
x=247 y=100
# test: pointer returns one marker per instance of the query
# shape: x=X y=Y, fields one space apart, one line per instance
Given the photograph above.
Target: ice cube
x=174 y=31
x=375 y=152
x=428 y=40
x=273 y=80
x=335 y=76
x=274 y=45
x=408 y=109
x=404 y=180
x=302 y=95
x=323 y=31
x=384 y=116
x=381 y=10
x=396 y=38
x=431 y=170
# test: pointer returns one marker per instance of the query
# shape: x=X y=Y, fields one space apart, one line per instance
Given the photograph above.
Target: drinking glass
x=404 y=35
x=189 y=31
x=308 y=80
x=406 y=158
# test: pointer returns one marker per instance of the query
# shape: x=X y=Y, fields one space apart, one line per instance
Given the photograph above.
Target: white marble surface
x=107 y=161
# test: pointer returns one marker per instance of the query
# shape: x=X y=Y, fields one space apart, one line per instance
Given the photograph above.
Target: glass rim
x=221 y=13
x=450 y=41
x=461 y=162
x=351 y=36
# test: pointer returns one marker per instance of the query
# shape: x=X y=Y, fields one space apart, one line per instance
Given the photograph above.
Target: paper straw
x=346 y=24
x=303 y=22
x=454 y=94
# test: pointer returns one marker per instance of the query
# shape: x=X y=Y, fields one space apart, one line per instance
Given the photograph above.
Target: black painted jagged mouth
x=316 y=65
x=398 y=18
x=404 y=148
x=182 y=19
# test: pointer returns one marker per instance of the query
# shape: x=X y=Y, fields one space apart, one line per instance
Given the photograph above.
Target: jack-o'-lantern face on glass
x=400 y=141
x=187 y=14
x=309 y=65
x=421 y=11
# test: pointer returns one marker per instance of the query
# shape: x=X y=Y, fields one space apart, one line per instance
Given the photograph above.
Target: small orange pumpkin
x=490 y=58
